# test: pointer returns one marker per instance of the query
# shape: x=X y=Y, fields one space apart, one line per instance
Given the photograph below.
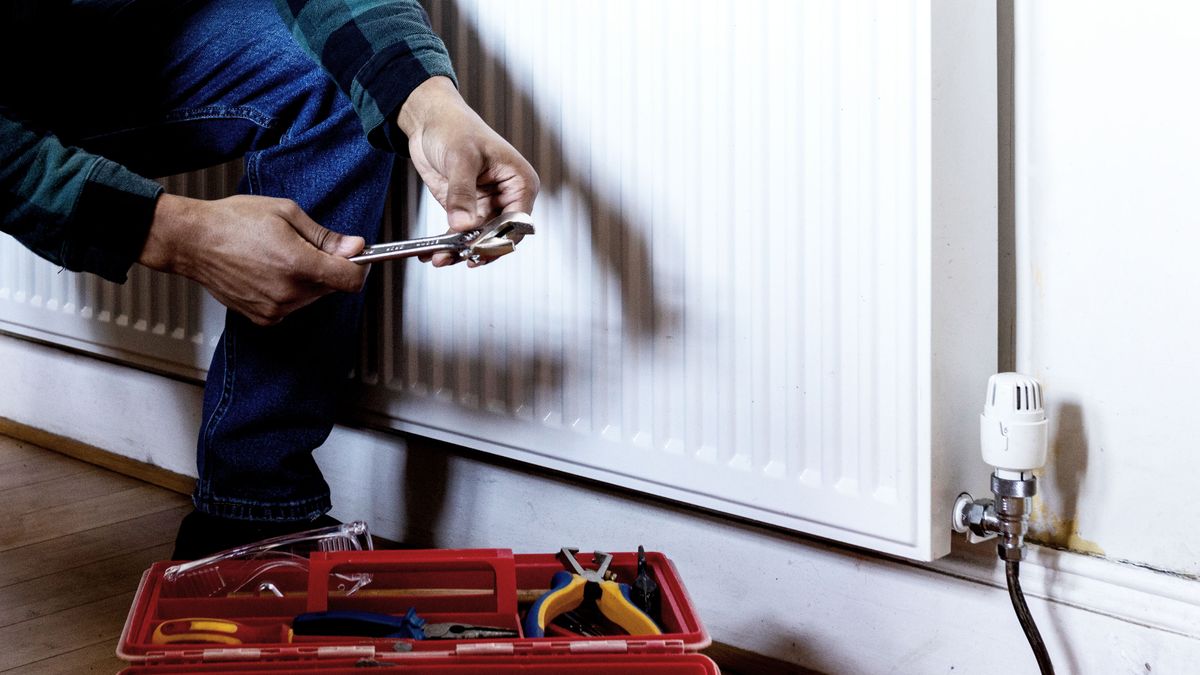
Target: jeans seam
x=253 y=184
x=305 y=509
x=220 y=112
x=234 y=501
x=258 y=505
x=226 y=393
x=252 y=115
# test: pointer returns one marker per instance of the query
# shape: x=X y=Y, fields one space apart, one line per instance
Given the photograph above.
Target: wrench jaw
x=499 y=238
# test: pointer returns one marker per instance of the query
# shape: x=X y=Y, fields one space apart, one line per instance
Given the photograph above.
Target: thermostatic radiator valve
x=1012 y=435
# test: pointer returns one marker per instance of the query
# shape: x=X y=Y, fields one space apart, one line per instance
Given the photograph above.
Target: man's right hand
x=259 y=256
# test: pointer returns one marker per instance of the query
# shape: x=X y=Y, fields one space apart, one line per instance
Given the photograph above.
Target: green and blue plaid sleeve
x=73 y=208
x=377 y=51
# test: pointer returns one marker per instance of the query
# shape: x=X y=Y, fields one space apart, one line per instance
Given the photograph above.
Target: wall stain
x=1061 y=534
x=1047 y=529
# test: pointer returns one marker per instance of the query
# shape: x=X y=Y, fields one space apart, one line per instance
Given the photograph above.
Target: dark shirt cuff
x=390 y=77
x=110 y=221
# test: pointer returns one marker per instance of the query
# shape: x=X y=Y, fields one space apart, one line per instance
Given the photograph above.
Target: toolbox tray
x=476 y=586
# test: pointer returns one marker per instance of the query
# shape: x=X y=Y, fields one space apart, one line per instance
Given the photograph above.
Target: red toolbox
x=487 y=587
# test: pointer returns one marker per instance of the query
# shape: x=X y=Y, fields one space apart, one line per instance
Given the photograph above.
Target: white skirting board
x=793 y=598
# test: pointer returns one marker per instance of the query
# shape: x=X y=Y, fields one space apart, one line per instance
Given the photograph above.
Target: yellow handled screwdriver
x=202 y=630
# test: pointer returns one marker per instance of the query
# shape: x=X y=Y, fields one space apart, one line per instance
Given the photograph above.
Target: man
x=316 y=95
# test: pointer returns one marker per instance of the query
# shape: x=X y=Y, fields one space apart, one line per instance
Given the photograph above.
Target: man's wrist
x=161 y=251
x=424 y=101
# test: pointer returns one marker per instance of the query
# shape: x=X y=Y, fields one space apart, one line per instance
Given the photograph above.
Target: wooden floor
x=74 y=540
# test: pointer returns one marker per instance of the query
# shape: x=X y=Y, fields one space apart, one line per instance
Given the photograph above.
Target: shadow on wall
x=620 y=247
x=1067 y=464
x=427 y=471
x=1056 y=508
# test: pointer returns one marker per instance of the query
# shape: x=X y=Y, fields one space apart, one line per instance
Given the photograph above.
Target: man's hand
x=473 y=172
x=259 y=256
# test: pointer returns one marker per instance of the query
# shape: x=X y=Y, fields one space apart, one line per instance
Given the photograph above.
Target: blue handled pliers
x=569 y=590
x=373 y=624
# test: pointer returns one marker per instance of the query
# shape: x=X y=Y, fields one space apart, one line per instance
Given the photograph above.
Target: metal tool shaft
x=495 y=238
x=415 y=247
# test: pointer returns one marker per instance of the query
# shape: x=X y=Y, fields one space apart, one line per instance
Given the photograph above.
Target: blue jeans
x=197 y=83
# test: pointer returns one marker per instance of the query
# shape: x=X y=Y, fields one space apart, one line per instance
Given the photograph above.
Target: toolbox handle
x=500 y=560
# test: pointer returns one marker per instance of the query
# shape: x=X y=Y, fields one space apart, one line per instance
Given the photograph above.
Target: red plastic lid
x=479 y=586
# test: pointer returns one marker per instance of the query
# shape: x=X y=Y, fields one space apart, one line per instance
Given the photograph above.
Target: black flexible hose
x=1012 y=573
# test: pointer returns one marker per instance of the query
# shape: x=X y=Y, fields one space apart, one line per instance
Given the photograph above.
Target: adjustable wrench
x=495 y=238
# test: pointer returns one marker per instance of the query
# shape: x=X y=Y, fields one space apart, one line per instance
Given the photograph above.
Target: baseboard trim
x=155 y=475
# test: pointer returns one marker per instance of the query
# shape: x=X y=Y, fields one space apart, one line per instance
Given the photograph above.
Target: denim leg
x=272 y=392
x=233 y=81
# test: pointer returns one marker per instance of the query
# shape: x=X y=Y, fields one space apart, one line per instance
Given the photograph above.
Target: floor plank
x=98 y=658
x=32 y=470
x=39 y=526
x=74 y=542
x=12 y=450
x=66 y=631
x=57 y=591
x=91 y=482
x=81 y=548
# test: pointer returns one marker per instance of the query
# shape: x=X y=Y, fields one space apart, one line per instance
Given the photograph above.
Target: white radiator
x=761 y=259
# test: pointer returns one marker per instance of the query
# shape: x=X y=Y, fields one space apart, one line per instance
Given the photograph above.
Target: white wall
x=1108 y=172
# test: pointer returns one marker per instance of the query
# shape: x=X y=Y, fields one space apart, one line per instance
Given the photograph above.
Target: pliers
x=568 y=590
x=495 y=238
x=410 y=626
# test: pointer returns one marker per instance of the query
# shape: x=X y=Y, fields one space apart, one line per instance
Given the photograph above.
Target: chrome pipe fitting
x=1006 y=516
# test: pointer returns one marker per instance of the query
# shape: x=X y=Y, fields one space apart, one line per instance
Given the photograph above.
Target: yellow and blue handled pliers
x=569 y=590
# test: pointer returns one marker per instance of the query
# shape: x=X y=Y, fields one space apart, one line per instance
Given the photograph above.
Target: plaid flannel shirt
x=88 y=213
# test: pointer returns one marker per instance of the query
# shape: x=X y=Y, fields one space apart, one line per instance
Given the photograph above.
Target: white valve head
x=1012 y=428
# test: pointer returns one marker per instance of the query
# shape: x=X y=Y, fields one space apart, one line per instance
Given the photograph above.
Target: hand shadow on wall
x=621 y=248
x=427 y=466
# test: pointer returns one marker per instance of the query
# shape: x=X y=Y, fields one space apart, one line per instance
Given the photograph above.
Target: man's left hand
x=473 y=172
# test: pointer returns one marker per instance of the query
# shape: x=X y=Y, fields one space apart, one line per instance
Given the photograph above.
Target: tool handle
x=216 y=631
x=644 y=590
x=616 y=605
x=362 y=624
x=408 y=249
x=565 y=594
